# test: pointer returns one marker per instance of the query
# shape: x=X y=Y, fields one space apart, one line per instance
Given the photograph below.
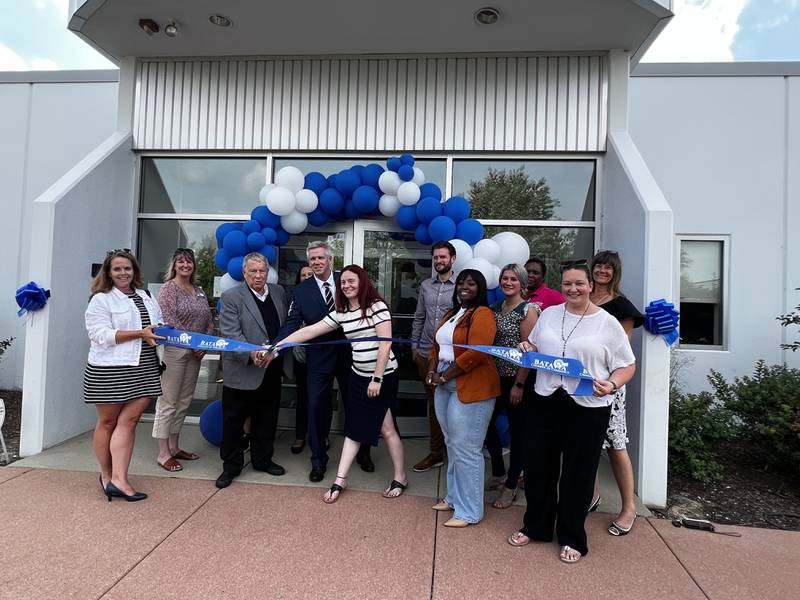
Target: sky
x=34 y=35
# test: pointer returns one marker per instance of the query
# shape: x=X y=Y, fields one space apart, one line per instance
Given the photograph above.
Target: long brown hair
x=610 y=258
x=102 y=282
x=367 y=294
x=186 y=253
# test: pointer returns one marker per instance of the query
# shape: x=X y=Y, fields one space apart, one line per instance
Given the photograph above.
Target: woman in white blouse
x=566 y=432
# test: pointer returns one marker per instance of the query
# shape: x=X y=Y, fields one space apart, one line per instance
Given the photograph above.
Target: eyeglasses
x=179 y=251
x=611 y=252
x=568 y=264
x=116 y=251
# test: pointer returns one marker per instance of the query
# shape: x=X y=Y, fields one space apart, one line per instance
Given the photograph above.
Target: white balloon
x=291 y=178
x=484 y=266
x=227 y=282
x=488 y=249
x=295 y=222
x=419 y=176
x=280 y=201
x=495 y=278
x=388 y=205
x=389 y=181
x=408 y=193
x=262 y=195
x=513 y=248
x=305 y=201
x=272 y=276
x=463 y=254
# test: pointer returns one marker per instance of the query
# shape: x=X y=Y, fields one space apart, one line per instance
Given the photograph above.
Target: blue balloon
x=270 y=253
x=332 y=181
x=470 y=231
x=394 y=163
x=371 y=174
x=430 y=190
x=224 y=230
x=428 y=209
x=331 y=201
x=235 y=243
x=256 y=241
x=457 y=208
x=317 y=217
x=282 y=236
x=405 y=173
x=251 y=226
x=235 y=266
x=442 y=229
x=365 y=199
x=221 y=259
x=316 y=182
x=351 y=211
x=211 y=423
x=422 y=236
x=265 y=217
x=219 y=306
x=347 y=181
x=407 y=217
x=407 y=159
x=359 y=169
x=269 y=235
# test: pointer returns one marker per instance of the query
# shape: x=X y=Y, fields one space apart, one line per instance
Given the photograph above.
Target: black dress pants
x=262 y=406
x=301 y=406
x=564 y=440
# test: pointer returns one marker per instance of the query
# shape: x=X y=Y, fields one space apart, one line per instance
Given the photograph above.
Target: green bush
x=766 y=407
x=696 y=424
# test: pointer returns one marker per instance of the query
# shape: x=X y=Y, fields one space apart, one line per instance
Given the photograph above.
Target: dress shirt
x=435 y=298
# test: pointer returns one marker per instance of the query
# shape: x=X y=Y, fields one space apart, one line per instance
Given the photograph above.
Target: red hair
x=367 y=294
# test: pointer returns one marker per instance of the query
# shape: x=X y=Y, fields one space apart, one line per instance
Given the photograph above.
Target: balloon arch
x=295 y=201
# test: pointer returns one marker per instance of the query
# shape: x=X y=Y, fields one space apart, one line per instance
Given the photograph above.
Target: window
x=702 y=285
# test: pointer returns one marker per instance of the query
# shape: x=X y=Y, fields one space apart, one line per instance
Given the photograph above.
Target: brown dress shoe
x=428 y=463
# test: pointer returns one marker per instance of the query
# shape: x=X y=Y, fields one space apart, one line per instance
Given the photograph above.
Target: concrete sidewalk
x=61 y=538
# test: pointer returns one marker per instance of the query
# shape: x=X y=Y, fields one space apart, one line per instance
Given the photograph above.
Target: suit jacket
x=241 y=320
x=308 y=306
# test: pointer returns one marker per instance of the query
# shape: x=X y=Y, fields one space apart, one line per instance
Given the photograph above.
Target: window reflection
x=292 y=256
x=701 y=292
x=534 y=190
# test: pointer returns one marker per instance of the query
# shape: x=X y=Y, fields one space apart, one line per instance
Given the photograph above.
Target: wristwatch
x=376 y=379
x=616 y=389
x=519 y=384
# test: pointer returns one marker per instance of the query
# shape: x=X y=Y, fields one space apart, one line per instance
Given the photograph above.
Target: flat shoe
x=518 y=539
x=564 y=555
x=170 y=465
x=442 y=506
x=618 y=530
x=453 y=522
x=183 y=455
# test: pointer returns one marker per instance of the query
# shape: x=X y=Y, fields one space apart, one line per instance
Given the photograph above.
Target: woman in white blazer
x=122 y=373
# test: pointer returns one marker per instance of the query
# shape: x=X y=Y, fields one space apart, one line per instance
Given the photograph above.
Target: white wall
x=725 y=152
x=49 y=121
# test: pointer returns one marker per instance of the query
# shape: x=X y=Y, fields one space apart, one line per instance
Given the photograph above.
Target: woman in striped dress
x=122 y=373
x=372 y=387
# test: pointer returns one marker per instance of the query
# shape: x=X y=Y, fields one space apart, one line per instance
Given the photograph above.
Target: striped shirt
x=354 y=327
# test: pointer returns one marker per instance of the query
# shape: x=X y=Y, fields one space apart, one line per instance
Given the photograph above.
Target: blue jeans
x=464 y=427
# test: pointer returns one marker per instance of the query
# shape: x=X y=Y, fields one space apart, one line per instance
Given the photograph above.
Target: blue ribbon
x=661 y=318
x=566 y=367
x=30 y=297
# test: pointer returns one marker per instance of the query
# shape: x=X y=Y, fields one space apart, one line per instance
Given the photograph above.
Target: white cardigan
x=110 y=312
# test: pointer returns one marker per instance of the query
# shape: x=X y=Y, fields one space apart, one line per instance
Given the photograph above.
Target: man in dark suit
x=313 y=299
x=254 y=312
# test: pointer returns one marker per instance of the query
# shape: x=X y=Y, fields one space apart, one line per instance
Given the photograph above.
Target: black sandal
x=395 y=485
x=335 y=489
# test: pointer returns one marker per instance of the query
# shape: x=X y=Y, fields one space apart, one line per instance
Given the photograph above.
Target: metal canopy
x=347 y=27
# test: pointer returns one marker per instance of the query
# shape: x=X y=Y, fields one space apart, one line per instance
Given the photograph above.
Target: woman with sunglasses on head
x=565 y=432
x=606 y=268
x=185 y=307
x=515 y=318
x=466 y=387
x=123 y=370
x=361 y=313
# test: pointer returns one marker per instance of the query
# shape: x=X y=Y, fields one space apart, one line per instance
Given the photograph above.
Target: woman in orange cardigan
x=467 y=384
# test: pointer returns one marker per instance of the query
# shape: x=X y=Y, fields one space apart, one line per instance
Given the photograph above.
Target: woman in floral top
x=515 y=319
x=184 y=306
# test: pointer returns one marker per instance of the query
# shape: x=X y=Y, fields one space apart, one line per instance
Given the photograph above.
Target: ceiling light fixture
x=487 y=16
x=220 y=20
x=171 y=30
x=149 y=26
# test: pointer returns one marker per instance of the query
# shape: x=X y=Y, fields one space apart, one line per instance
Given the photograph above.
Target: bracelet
x=616 y=389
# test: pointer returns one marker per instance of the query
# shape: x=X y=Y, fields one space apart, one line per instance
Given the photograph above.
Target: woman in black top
x=606 y=270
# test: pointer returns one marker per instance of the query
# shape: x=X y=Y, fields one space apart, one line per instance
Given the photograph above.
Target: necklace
x=569 y=335
x=603 y=299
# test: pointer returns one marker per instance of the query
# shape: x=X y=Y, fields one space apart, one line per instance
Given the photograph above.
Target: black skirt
x=363 y=416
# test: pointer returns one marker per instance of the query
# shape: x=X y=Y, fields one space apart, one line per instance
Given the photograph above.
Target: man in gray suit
x=253 y=311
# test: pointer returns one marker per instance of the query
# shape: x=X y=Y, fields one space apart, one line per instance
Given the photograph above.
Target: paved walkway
x=261 y=538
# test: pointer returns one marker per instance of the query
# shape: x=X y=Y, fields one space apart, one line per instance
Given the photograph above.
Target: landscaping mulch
x=13 y=401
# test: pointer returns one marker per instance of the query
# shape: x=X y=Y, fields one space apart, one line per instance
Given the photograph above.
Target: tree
x=206 y=269
x=793 y=318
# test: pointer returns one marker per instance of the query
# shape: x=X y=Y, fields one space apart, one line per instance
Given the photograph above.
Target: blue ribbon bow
x=661 y=318
x=30 y=297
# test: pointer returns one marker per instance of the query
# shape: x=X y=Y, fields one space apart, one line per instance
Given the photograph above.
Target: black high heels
x=113 y=491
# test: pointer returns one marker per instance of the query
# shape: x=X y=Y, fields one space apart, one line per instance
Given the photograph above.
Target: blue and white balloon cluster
x=295 y=201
